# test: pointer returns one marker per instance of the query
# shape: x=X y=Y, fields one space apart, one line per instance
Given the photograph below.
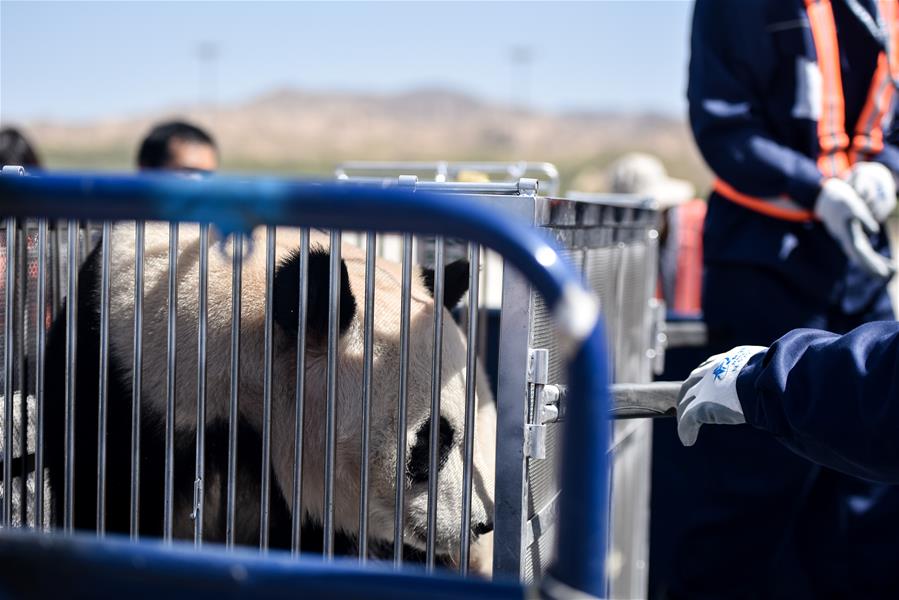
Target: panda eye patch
x=417 y=468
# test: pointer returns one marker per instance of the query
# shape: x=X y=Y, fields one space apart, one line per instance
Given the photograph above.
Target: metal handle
x=644 y=400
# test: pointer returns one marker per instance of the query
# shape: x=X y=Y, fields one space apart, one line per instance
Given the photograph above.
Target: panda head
x=384 y=398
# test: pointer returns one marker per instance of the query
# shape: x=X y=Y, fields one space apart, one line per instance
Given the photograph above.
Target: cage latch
x=549 y=404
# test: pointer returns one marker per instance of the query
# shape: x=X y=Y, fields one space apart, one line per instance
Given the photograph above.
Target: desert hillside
x=295 y=131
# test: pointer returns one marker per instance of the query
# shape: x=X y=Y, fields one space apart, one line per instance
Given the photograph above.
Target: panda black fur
x=249 y=438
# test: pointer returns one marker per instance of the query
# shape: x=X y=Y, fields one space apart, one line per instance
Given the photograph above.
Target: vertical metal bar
x=56 y=267
x=21 y=376
x=202 y=320
x=471 y=365
x=297 y=507
x=236 y=286
x=84 y=238
x=405 y=308
x=103 y=397
x=368 y=342
x=40 y=347
x=267 y=387
x=136 y=372
x=8 y=324
x=510 y=512
x=71 y=350
x=436 y=384
x=171 y=366
x=331 y=400
x=483 y=308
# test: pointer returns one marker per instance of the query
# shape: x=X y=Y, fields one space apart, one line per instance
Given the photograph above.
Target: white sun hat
x=644 y=174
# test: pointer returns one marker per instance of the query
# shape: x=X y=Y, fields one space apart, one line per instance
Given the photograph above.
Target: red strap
x=779 y=208
x=832 y=138
x=868 y=138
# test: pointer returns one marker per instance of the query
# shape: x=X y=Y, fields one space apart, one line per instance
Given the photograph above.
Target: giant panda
x=348 y=433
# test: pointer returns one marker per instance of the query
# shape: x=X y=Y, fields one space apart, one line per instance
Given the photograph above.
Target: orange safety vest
x=838 y=151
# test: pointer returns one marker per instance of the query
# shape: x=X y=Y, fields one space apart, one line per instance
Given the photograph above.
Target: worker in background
x=790 y=104
x=16 y=150
x=833 y=399
x=178 y=146
x=680 y=244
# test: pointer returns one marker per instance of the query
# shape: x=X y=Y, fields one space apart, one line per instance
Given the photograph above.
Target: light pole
x=207 y=55
x=521 y=59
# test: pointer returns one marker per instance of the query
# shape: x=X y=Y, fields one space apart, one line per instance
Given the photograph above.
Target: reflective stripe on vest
x=837 y=151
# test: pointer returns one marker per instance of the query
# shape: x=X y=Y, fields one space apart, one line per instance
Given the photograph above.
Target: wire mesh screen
x=617 y=260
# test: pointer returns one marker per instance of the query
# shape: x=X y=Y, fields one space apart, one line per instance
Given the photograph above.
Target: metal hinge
x=548 y=403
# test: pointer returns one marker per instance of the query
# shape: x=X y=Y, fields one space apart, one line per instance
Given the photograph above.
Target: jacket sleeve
x=832 y=399
x=732 y=57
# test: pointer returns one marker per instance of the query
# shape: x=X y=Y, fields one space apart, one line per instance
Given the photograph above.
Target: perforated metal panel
x=614 y=246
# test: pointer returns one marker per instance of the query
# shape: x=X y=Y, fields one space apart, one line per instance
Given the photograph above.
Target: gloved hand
x=709 y=395
x=838 y=204
x=876 y=185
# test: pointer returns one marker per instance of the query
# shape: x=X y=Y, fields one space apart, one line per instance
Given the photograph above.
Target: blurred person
x=790 y=104
x=16 y=150
x=680 y=246
x=178 y=146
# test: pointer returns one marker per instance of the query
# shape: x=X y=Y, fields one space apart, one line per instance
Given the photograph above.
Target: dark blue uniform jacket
x=833 y=399
x=753 y=110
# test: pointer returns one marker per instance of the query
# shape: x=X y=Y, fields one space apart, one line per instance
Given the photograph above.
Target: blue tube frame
x=235 y=204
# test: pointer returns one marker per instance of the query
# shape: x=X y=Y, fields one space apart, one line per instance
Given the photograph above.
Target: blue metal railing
x=240 y=205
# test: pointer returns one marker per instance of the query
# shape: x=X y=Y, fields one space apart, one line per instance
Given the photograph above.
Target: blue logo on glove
x=721 y=370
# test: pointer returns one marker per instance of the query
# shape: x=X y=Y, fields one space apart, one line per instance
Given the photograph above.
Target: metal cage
x=612 y=240
x=238 y=206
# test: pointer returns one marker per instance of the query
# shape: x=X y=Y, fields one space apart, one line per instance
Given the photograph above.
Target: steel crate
x=612 y=240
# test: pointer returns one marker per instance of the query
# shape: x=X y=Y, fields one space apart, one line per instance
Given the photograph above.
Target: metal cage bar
x=202 y=323
x=302 y=295
x=71 y=346
x=8 y=349
x=40 y=349
x=471 y=361
x=104 y=379
x=267 y=388
x=405 y=308
x=331 y=397
x=233 y=405
x=136 y=375
x=436 y=384
x=170 y=378
x=368 y=342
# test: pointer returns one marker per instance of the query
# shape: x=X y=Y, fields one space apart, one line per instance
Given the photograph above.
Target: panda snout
x=482 y=528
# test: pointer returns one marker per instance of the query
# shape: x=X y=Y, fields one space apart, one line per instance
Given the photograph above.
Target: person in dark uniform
x=791 y=105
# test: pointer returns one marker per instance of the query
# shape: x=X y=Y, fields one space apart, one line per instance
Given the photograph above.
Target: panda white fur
x=383 y=410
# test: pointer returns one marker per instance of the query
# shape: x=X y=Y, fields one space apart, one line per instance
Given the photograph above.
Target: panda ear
x=287 y=294
x=455 y=282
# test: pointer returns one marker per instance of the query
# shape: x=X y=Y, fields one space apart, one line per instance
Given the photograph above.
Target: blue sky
x=82 y=60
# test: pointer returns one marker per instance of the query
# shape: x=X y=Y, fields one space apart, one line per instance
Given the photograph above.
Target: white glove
x=837 y=206
x=709 y=395
x=876 y=185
